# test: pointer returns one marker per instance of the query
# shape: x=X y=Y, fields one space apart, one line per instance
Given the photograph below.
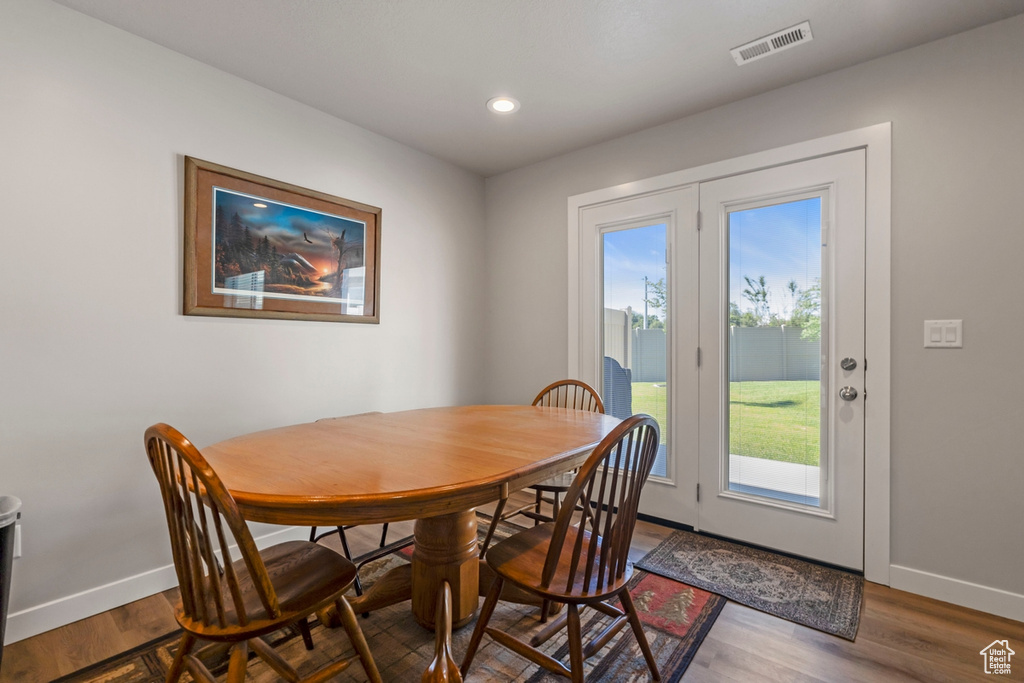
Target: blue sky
x=781 y=242
x=629 y=255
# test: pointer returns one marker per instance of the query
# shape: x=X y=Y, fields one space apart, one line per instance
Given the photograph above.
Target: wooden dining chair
x=580 y=559
x=234 y=601
x=566 y=393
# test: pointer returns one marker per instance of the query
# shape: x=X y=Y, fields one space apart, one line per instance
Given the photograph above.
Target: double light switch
x=943 y=334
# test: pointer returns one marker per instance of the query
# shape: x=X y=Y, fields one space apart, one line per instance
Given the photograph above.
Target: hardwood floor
x=902 y=637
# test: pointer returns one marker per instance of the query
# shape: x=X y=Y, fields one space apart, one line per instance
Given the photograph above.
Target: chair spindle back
x=570 y=393
x=198 y=508
x=607 y=490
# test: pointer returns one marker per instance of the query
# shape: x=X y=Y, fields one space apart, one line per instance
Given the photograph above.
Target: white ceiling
x=585 y=71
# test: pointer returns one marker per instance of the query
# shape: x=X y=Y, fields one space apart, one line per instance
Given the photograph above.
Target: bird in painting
x=306 y=238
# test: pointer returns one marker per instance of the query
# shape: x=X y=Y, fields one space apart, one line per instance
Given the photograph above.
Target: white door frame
x=877 y=142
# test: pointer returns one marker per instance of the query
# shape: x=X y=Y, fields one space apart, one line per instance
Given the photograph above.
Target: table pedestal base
x=445 y=551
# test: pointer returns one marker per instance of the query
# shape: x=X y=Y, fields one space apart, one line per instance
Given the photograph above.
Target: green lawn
x=649 y=397
x=773 y=420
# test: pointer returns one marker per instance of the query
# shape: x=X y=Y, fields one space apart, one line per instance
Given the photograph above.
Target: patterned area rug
x=822 y=598
x=676 y=618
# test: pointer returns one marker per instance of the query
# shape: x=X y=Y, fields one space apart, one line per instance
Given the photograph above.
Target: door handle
x=847 y=393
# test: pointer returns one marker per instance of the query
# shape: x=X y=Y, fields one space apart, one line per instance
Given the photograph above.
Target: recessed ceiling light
x=260 y=206
x=503 y=105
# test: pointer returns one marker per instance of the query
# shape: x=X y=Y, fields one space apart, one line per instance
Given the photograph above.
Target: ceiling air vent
x=769 y=45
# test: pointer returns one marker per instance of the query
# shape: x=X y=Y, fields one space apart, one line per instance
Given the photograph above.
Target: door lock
x=847 y=393
x=848 y=364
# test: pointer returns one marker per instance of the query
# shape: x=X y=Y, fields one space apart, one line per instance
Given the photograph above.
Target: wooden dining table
x=434 y=465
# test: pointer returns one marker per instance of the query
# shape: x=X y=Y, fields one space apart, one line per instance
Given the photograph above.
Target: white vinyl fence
x=756 y=354
x=771 y=354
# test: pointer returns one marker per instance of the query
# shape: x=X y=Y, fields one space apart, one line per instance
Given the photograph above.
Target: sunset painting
x=285 y=252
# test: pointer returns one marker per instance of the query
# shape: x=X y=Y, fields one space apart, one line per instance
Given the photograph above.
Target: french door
x=743 y=333
x=781 y=433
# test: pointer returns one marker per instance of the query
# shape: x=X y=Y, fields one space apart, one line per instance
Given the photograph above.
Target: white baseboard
x=41 y=618
x=964 y=593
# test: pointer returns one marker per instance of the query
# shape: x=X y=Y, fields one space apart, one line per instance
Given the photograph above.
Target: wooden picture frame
x=260 y=248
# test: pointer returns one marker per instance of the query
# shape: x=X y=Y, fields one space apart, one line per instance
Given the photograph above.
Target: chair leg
x=638 y=631
x=481 y=623
x=238 y=663
x=344 y=543
x=312 y=534
x=355 y=634
x=493 y=527
x=537 y=507
x=575 y=637
x=545 y=634
x=198 y=670
x=307 y=637
x=384 y=535
x=348 y=555
x=442 y=668
x=273 y=659
x=184 y=648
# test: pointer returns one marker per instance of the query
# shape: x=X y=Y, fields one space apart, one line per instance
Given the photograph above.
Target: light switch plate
x=943 y=334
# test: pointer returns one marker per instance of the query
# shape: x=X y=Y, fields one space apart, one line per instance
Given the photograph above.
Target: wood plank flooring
x=902 y=637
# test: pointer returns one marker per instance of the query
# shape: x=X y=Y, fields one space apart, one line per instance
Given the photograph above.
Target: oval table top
x=381 y=467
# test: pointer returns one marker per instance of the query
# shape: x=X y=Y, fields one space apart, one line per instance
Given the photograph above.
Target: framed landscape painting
x=260 y=248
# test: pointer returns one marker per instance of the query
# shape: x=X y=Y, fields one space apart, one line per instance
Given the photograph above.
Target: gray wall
x=93 y=349
x=958 y=163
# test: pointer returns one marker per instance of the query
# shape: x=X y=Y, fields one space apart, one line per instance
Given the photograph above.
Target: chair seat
x=557 y=484
x=520 y=559
x=306 y=577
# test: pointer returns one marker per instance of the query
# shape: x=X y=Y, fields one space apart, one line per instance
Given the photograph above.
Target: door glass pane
x=774 y=352
x=635 y=316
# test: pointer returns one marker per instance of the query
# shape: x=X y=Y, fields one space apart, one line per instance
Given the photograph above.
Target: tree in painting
x=301 y=252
